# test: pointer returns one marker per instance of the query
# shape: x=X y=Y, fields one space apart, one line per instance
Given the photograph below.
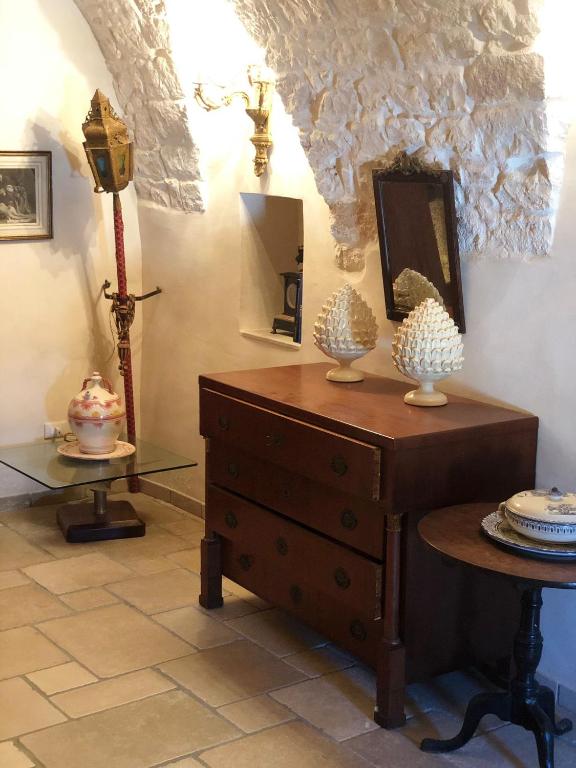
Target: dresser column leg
x=391 y=666
x=211 y=572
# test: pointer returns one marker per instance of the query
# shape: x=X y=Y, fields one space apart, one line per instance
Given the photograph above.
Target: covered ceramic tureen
x=543 y=515
x=95 y=416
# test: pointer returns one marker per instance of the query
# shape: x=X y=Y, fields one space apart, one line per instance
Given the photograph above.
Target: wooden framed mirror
x=418 y=240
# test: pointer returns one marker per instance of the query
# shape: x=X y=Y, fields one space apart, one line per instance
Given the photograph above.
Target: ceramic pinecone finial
x=345 y=330
x=427 y=347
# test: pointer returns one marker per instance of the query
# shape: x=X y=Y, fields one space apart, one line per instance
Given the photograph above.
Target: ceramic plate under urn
x=72 y=451
x=497 y=528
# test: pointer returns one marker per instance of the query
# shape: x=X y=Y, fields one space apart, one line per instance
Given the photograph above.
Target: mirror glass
x=416 y=227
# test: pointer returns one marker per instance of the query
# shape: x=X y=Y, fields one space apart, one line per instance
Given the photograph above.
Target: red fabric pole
x=126 y=363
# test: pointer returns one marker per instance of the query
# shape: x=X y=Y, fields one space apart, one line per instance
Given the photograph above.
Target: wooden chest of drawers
x=314 y=490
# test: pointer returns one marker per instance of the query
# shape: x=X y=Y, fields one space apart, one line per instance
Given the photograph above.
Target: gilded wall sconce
x=258 y=107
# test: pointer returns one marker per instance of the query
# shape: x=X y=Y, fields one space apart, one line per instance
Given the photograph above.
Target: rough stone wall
x=134 y=38
x=454 y=81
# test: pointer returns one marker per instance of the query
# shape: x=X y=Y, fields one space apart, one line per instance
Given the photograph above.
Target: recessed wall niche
x=272 y=232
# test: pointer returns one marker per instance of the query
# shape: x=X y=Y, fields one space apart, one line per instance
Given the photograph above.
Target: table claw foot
x=540 y=724
x=482 y=704
x=547 y=702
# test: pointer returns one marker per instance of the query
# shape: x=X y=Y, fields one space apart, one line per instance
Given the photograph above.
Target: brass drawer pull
x=224 y=423
x=296 y=594
x=231 y=520
x=232 y=469
x=341 y=578
x=246 y=562
x=358 y=630
x=273 y=441
x=339 y=466
x=282 y=546
x=348 y=519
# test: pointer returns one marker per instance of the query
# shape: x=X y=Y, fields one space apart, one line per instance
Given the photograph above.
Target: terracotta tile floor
x=107 y=661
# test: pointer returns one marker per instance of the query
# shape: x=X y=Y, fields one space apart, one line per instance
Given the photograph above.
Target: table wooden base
x=526 y=703
x=100 y=520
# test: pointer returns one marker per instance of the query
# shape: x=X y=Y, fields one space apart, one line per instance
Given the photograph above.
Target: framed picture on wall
x=25 y=195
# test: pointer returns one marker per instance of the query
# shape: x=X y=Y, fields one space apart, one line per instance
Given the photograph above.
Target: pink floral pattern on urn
x=95 y=415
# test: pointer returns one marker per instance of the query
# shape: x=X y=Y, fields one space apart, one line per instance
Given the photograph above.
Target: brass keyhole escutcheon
x=296 y=594
x=341 y=578
x=339 y=466
x=348 y=519
x=232 y=469
x=272 y=440
x=246 y=562
x=358 y=630
x=231 y=520
x=224 y=423
x=282 y=546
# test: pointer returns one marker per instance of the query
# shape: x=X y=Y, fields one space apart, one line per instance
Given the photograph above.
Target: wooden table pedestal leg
x=211 y=572
x=526 y=703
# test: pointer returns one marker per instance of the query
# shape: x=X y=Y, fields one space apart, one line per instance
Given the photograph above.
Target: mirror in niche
x=418 y=241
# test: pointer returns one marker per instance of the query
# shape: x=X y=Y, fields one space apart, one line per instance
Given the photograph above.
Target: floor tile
x=231 y=672
x=152 y=511
x=190 y=529
x=340 y=704
x=196 y=627
x=112 y=693
x=235 y=589
x=115 y=639
x=321 y=661
x=391 y=749
x=28 y=605
x=12 y=757
x=25 y=650
x=255 y=714
x=12 y=579
x=88 y=598
x=187 y=558
x=39 y=525
x=294 y=745
x=234 y=607
x=61 y=678
x=16 y=552
x=508 y=747
x=156 y=543
x=24 y=710
x=137 y=735
x=187 y=762
x=159 y=591
x=152 y=565
x=278 y=632
x=74 y=573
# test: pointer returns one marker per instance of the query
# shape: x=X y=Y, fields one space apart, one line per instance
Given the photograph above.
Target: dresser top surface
x=372 y=410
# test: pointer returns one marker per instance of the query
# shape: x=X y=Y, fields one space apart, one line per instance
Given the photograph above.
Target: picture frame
x=25 y=195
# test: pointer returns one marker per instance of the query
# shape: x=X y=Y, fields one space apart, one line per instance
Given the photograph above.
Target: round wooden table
x=455 y=533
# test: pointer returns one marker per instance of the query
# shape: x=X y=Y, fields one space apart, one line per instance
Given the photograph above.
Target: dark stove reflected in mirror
x=418 y=240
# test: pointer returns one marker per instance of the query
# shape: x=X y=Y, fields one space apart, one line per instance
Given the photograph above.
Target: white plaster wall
x=54 y=323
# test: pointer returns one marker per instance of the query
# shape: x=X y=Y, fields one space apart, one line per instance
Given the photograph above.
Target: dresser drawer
x=353 y=521
x=294 y=554
x=340 y=462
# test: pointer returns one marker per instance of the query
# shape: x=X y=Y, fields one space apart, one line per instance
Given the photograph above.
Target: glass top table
x=41 y=462
x=101 y=519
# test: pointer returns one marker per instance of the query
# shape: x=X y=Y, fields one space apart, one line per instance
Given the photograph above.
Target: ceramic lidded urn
x=96 y=415
x=345 y=330
x=427 y=347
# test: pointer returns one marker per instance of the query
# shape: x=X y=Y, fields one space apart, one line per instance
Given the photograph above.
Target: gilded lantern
x=108 y=147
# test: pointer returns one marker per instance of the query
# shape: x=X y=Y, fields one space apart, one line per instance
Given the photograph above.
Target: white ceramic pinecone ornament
x=427 y=347
x=345 y=330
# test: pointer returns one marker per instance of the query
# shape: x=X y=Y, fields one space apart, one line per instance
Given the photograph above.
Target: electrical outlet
x=55 y=429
